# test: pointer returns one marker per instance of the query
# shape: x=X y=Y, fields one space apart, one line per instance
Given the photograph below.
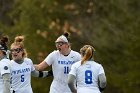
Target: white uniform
x=4 y=68
x=21 y=76
x=61 y=66
x=87 y=76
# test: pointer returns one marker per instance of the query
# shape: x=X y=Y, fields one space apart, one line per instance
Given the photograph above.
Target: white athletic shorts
x=86 y=90
x=59 y=87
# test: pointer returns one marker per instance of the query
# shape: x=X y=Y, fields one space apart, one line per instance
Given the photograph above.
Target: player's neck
x=67 y=52
x=19 y=61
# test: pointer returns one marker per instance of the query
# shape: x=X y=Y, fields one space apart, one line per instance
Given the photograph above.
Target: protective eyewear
x=60 y=43
x=17 y=50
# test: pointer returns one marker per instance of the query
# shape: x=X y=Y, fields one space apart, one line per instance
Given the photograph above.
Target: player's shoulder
x=27 y=60
x=75 y=52
x=96 y=64
x=55 y=52
x=5 y=60
x=77 y=64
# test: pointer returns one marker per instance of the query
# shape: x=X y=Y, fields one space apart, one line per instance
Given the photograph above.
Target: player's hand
x=74 y=91
x=50 y=73
x=101 y=89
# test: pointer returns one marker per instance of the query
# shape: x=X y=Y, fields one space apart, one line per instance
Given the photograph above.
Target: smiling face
x=17 y=52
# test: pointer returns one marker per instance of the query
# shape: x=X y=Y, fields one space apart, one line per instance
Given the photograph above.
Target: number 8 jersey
x=87 y=76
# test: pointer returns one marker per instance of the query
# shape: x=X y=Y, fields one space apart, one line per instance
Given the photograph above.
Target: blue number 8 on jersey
x=88 y=76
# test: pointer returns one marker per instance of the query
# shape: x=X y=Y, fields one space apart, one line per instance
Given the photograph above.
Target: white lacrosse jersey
x=21 y=76
x=87 y=76
x=4 y=68
x=61 y=66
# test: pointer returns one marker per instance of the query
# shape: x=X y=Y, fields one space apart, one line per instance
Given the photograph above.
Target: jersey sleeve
x=101 y=70
x=31 y=63
x=50 y=58
x=4 y=67
x=73 y=69
x=78 y=57
x=32 y=66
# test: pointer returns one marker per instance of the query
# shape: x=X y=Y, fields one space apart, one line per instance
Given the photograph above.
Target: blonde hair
x=19 y=41
x=87 y=53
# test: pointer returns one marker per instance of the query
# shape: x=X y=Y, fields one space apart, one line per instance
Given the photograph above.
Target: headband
x=62 y=38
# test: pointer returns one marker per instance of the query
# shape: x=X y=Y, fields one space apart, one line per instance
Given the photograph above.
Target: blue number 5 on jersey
x=88 y=76
x=22 y=78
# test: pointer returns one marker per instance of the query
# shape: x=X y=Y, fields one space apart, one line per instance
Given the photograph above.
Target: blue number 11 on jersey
x=66 y=69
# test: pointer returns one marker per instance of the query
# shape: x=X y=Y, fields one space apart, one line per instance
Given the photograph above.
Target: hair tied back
x=19 y=39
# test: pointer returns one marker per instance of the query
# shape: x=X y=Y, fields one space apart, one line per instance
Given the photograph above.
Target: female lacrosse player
x=61 y=61
x=87 y=73
x=22 y=68
x=4 y=66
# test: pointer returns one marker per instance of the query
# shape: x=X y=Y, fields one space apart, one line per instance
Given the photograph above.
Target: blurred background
x=111 y=26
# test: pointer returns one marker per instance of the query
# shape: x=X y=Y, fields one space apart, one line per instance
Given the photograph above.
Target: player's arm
x=36 y=73
x=71 y=79
x=6 y=82
x=102 y=82
x=41 y=66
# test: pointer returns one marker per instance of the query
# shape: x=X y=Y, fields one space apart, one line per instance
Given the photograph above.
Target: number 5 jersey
x=21 y=76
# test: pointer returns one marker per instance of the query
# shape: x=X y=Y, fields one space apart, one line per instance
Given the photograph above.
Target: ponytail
x=87 y=53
